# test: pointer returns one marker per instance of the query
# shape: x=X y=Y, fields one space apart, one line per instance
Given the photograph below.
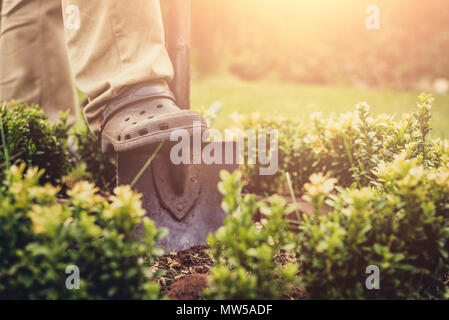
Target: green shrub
x=41 y=236
x=28 y=137
x=402 y=227
x=100 y=167
x=244 y=252
x=292 y=150
x=348 y=146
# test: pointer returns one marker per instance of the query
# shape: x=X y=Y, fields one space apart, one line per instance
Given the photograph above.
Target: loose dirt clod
x=193 y=261
x=189 y=287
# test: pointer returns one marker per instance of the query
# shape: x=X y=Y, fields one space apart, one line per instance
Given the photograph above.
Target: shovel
x=183 y=198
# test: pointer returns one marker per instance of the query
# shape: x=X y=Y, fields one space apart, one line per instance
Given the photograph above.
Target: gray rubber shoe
x=143 y=116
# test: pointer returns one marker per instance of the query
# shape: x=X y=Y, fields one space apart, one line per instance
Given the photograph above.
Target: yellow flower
x=84 y=194
x=16 y=171
x=125 y=202
x=31 y=173
x=36 y=220
x=384 y=118
x=381 y=170
x=346 y=119
x=359 y=197
x=47 y=219
x=47 y=192
x=441 y=177
x=319 y=185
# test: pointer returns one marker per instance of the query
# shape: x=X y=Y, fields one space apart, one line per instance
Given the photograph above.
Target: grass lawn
x=299 y=100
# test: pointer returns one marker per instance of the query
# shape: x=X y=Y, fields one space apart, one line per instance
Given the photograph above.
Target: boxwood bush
x=100 y=167
x=244 y=252
x=401 y=226
x=41 y=236
x=348 y=146
x=26 y=136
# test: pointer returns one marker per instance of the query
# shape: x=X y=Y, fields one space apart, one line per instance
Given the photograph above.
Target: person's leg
x=114 y=45
x=118 y=56
x=1 y=14
x=33 y=59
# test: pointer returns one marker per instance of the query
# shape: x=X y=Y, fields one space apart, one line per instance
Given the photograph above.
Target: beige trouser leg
x=114 y=44
x=33 y=59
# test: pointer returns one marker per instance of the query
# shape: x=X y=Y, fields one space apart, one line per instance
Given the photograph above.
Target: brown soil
x=297 y=294
x=178 y=265
x=186 y=273
x=189 y=287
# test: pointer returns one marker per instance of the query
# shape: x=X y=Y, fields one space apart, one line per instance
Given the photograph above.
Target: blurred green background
x=295 y=57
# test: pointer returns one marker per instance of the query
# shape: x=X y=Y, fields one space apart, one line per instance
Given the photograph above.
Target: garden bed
x=187 y=273
x=369 y=192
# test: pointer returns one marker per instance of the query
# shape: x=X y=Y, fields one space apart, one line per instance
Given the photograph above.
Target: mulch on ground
x=177 y=265
x=187 y=273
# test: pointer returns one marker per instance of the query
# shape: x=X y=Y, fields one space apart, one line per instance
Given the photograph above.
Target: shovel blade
x=204 y=214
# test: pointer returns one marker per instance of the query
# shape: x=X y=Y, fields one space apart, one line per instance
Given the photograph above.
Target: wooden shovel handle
x=178 y=27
